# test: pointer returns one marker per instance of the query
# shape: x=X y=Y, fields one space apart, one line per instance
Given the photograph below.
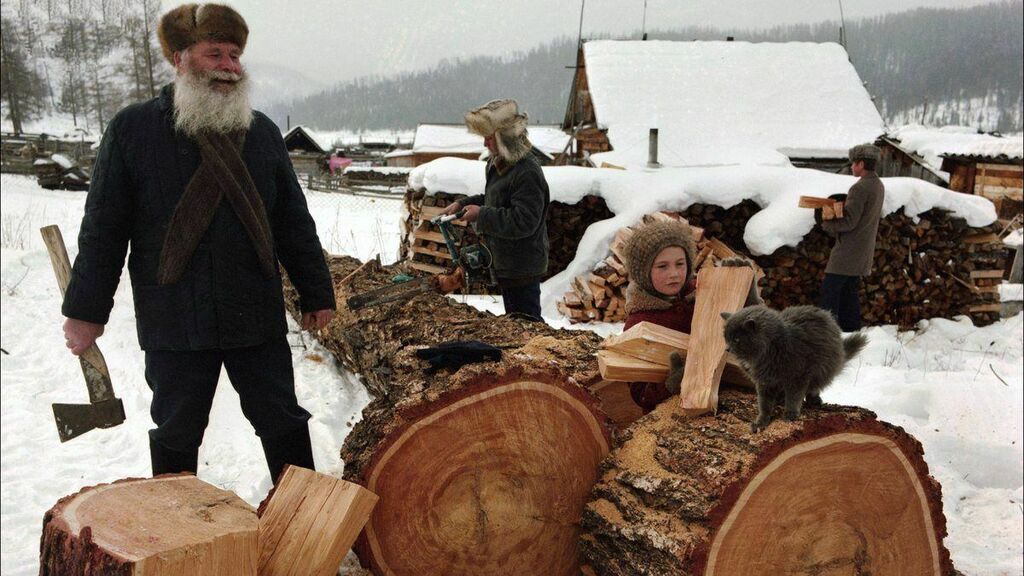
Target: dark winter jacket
x=223 y=299
x=854 y=250
x=512 y=220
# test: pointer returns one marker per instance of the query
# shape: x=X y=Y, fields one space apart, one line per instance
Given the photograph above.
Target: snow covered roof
x=934 y=143
x=721 y=103
x=776 y=189
x=329 y=139
x=456 y=139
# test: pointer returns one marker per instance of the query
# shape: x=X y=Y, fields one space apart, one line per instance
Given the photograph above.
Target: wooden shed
x=998 y=178
x=306 y=152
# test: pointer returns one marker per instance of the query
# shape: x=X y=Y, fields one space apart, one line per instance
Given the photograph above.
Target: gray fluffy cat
x=796 y=352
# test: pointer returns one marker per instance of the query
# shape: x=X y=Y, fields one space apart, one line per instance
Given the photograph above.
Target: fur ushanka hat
x=191 y=23
x=502 y=119
x=648 y=241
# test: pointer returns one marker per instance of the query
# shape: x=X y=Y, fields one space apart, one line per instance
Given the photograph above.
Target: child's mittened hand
x=675 y=373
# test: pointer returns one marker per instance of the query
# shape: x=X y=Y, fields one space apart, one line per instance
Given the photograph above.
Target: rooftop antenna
x=842 y=27
x=643 y=23
x=579 y=35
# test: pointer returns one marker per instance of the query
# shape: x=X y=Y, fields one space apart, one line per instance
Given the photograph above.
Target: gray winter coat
x=854 y=251
x=223 y=299
x=513 y=220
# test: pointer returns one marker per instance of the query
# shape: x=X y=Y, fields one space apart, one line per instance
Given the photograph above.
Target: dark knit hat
x=865 y=152
x=648 y=241
x=191 y=23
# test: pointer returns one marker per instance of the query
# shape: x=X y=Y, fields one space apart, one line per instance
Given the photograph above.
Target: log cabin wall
x=932 y=266
x=895 y=161
x=580 y=116
x=998 y=179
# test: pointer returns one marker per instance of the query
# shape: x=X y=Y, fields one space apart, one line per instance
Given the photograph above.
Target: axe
x=103 y=409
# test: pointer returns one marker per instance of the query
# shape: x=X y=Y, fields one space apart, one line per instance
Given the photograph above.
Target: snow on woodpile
x=456 y=139
x=631 y=194
x=728 y=102
x=932 y=143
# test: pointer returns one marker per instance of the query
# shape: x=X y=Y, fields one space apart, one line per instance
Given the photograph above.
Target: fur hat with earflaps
x=642 y=248
x=191 y=23
x=502 y=119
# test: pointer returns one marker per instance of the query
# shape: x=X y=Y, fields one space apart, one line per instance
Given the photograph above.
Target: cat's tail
x=853 y=344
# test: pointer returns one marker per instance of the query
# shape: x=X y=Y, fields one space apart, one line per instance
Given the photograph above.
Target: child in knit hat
x=659 y=257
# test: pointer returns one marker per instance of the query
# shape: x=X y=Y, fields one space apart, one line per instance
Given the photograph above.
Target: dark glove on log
x=455 y=355
x=675 y=373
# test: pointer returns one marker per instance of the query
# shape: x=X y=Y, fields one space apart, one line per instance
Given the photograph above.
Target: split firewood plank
x=431 y=212
x=617 y=402
x=653 y=343
x=623 y=368
x=310 y=522
x=171 y=525
x=986 y=274
x=424 y=267
x=815 y=202
x=618 y=244
x=718 y=290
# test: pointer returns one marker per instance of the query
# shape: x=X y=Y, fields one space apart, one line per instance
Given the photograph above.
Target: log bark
x=484 y=470
x=169 y=525
x=837 y=492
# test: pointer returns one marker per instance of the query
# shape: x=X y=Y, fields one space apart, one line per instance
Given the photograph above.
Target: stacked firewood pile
x=600 y=295
x=60 y=173
x=374 y=175
x=932 y=266
x=425 y=249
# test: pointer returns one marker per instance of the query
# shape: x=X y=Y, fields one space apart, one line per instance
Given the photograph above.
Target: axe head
x=73 y=420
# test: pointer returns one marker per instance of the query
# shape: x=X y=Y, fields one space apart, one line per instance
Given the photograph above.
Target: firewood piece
x=168 y=526
x=815 y=202
x=572 y=299
x=618 y=266
x=653 y=343
x=618 y=244
x=718 y=290
x=310 y=522
x=623 y=368
x=617 y=402
x=702 y=256
x=431 y=212
x=989 y=238
x=986 y=274
x=424 y=267
x=837 y=488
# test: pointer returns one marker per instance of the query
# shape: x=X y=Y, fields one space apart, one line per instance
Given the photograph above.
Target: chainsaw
x=473 y=267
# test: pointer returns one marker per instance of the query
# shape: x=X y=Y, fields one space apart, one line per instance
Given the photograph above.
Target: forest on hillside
x=86 y=59
x=927 y=65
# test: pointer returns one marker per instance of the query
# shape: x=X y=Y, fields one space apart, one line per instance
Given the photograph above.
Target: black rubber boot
x=168 y=461
x=292 y=448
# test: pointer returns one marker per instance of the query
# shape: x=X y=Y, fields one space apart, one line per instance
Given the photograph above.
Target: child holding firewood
x=661 y=290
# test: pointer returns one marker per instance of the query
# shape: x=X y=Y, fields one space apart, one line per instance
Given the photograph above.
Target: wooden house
x=998 y=178
x=306 y=151
x=717 y=103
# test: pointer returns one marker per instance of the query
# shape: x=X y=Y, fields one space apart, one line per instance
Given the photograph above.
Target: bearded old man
x=201 y=188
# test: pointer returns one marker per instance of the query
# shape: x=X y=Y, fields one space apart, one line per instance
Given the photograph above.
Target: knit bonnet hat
x=191 y=23
x=648 y=241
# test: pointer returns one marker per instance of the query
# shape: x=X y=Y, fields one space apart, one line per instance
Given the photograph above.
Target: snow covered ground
x=957 y=388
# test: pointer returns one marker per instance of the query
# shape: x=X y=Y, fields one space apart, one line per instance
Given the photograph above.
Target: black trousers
x=839 y=295
x=524 y=299
x=183 y=385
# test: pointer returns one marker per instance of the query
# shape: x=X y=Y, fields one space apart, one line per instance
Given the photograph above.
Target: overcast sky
x=334 y=40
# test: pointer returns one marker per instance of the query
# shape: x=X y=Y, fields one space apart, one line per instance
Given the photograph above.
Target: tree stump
x=484 y=470
x=837 y=492
x=169 y=525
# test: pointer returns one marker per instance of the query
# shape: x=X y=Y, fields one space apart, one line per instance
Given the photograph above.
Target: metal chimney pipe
x=652 y=149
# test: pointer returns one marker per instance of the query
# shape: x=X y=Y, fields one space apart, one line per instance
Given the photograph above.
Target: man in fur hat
x=854 y=251
x=510 y=215
x=202 y=189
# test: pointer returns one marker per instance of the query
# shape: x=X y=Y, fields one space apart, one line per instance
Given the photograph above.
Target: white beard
x=200 y=108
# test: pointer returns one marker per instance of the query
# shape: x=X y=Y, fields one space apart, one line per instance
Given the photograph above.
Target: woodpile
x=600 y=295
x=424 y=246
x=837 y=492
x=482 y=470
x=925 y=267
x=178 y=525
x=375 y=176
x=60 y=173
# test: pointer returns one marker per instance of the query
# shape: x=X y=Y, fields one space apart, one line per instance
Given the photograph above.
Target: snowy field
x=957 y=388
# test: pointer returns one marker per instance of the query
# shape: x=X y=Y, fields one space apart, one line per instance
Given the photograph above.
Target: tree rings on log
x=837 y=492
x=488 y=479
x=171 y=525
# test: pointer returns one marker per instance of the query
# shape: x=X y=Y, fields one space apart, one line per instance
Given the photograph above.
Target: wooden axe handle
x=62 y=270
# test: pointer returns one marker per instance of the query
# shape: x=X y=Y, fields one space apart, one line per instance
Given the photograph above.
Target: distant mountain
x=273 y=84
x=937 y=66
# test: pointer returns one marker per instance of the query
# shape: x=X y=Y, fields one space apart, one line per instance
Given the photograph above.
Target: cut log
x=170 y=525
x=653 y=343
x=718 y=290
x=837 y=492
x=484 y=470
x=309 y=522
